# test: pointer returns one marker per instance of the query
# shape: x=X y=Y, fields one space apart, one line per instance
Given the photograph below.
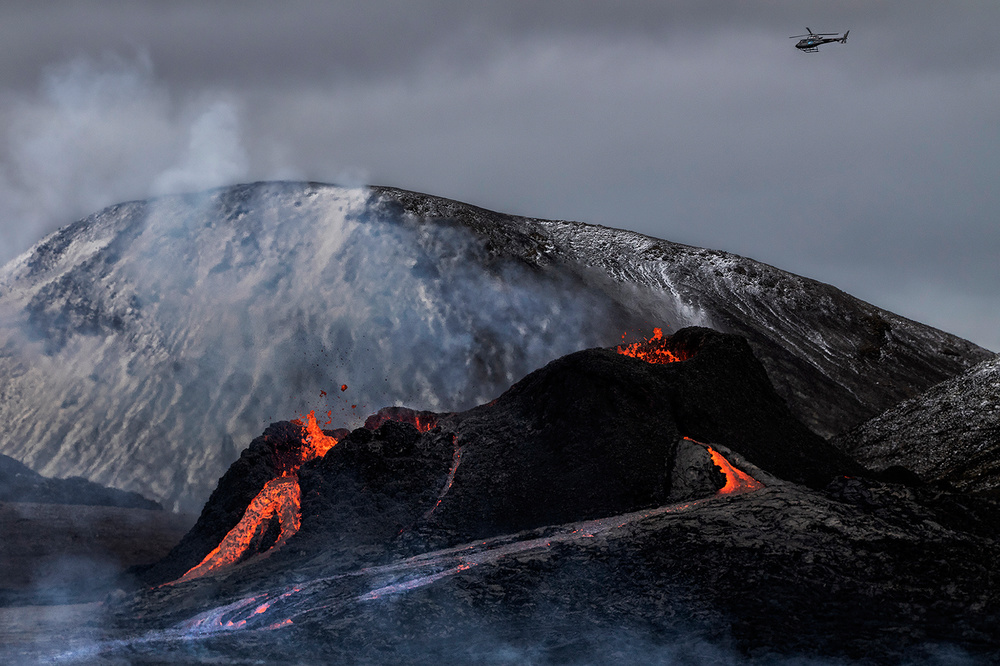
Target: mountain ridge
x=872 y=332
x=138 y=345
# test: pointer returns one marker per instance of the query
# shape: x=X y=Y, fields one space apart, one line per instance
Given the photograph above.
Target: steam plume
x=99 y=131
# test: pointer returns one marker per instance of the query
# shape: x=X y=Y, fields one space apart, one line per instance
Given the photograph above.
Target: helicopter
x=811 y=42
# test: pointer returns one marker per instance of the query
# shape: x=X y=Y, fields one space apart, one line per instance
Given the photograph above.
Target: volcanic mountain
x=140 y=345
x=654 y=501
x=592 y=434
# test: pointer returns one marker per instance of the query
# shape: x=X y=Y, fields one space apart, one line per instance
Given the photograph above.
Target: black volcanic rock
x=19 y=483
x=414 y=417
x=370 y=489
x=950 y=433
x=589 y=434
x=723 y=394
x=594 y=433
x=543 y=527
x=864 y=571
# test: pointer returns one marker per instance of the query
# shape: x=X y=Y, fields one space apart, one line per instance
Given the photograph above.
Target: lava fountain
x=653 y=350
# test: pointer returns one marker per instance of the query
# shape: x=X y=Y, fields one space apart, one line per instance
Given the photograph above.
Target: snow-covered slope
x=142 y=347
x=951 y=432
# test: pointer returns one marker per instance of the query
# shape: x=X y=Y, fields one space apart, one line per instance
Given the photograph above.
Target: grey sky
x=870 y=165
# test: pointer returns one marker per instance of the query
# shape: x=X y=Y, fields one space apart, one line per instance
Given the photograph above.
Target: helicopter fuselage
x=811 y=44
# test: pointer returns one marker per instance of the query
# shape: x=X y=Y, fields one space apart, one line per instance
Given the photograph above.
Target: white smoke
x=214 y=155
x=100 y=131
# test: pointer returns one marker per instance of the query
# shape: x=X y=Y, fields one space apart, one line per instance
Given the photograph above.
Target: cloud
x=100 y=131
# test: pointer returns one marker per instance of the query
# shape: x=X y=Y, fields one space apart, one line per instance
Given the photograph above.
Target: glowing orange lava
x=737 y=481
x=279 y=499
x=315 y=444
x=424 y=424
x=422 y=421
x=652 y=350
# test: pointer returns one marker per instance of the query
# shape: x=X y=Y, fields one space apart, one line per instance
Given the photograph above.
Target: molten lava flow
x=424 y=424
x=278 y=500
x=653 y=350
x=737 y=481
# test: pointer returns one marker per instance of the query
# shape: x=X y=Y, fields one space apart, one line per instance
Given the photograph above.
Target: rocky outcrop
x=949 y=433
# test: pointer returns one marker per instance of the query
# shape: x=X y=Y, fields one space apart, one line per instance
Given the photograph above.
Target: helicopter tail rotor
x=843 y=40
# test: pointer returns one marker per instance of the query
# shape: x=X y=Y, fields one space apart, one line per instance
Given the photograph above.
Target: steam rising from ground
x=102 y=131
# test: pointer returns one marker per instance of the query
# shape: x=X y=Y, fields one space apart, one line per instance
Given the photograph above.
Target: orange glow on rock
x=422 y=421
x=280 y=497
x=652 y=350
x=424 y=424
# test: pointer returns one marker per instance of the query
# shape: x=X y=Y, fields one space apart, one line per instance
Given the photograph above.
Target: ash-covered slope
x=950 y=433
x=139 y=345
